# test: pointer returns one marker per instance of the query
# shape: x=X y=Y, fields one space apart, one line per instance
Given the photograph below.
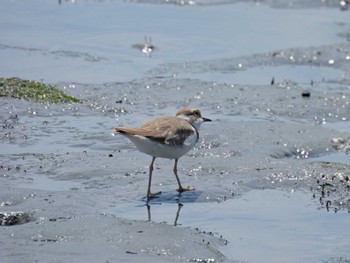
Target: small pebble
x=305 y=94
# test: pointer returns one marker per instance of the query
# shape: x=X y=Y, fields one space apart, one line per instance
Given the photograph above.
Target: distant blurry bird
x=344 y=4
x=147 y=48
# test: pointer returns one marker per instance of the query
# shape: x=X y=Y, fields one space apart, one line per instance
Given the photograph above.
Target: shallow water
x=40 y=182
x=278 y=226
x=304 y=75
x=90 y=42
x=335 y=158
x=220 y=56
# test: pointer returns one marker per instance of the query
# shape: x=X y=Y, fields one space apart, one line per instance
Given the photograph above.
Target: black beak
x=206 y=119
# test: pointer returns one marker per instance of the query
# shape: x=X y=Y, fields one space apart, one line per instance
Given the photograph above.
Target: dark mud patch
x=15 y=218
x=327 y=182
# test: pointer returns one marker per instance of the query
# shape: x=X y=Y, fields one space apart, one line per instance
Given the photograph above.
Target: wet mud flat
x=271 y=171
x=82 y=188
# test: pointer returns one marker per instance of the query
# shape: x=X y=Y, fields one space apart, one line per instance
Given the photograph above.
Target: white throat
x=196 y=122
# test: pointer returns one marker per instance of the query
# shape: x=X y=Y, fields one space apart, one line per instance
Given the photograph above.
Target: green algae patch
x=33 y=91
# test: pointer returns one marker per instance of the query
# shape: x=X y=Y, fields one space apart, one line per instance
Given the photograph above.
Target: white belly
x=157 y=149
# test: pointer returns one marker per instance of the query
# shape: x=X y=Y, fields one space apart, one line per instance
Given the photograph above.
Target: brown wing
x=167 y=130
x=133 y=131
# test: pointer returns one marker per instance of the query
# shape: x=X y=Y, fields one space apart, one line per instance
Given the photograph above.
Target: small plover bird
x=166 y=137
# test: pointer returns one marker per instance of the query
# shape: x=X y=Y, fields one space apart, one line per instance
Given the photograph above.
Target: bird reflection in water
x=179 y=206
x=172 y=198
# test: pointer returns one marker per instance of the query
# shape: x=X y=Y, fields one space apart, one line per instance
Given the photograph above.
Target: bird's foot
x=183 y=189
x=152 y=195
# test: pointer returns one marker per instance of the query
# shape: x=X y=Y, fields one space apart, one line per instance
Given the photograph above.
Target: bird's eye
x=196 y=113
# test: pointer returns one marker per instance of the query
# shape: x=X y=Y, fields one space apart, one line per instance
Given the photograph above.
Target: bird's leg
x=149 y=194
x=149 y=212
x=178 y=213
x=180 y=189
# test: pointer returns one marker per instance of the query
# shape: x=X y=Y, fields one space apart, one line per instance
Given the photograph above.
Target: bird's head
x=193 y=116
